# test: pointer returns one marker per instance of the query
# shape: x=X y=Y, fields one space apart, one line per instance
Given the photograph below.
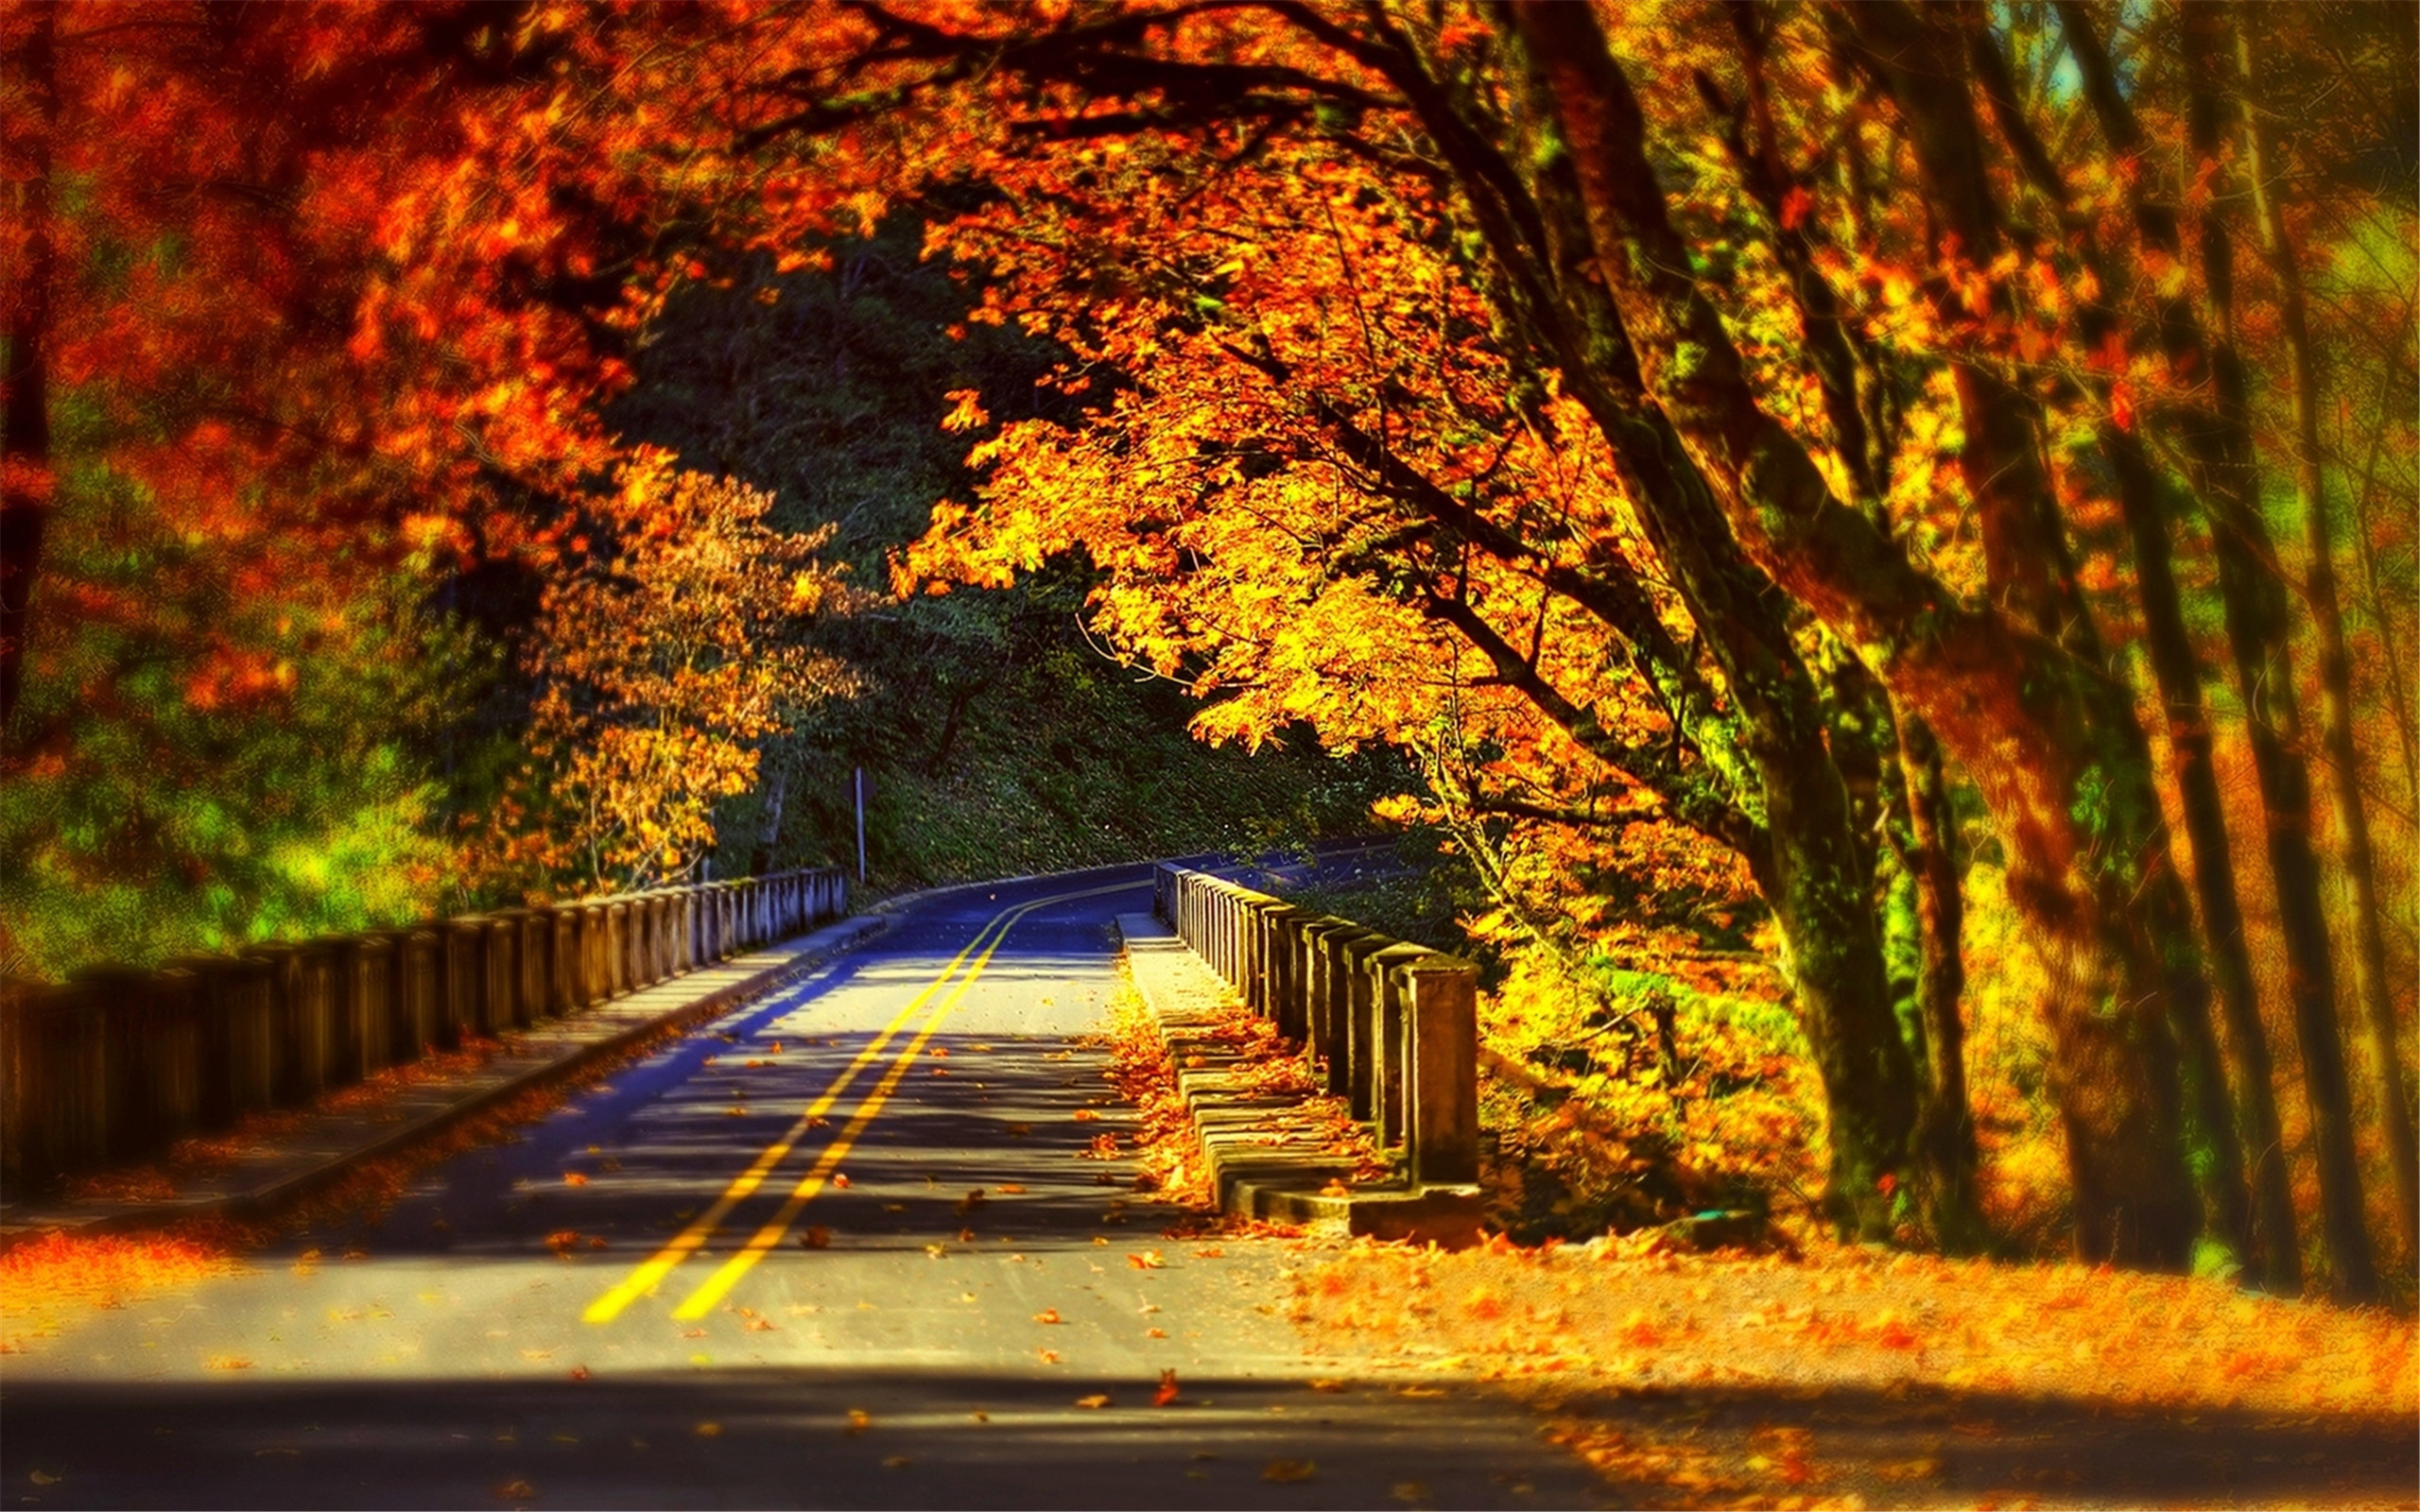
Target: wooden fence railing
x=1393 y=1027
x=114 y=1065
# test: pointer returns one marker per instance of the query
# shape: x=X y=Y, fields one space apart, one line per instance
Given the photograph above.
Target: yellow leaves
x=967 y=412
x=1094 y=1402
x=1286 y=1471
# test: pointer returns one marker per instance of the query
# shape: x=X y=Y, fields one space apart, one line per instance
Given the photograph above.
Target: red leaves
x=1168 y=1391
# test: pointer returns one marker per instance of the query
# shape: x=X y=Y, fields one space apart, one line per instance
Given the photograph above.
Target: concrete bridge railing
x=1393 y=1027
x=114 y=1065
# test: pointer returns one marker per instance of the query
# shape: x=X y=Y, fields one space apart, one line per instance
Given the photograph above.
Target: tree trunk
x=1922 y=58
x=2270 y=1246
x=2031 y=723
x=2334 y=669
x=1946 y=1135
x=2220 y=453
x=760 y=860
x=26 y=478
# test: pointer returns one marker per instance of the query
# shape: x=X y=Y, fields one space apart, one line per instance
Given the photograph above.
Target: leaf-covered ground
x=1852 y=1378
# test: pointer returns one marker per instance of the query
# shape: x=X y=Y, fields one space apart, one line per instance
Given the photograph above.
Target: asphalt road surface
x=748 y=1272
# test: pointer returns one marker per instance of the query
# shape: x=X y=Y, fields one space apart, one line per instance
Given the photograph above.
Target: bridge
x=849 y=1239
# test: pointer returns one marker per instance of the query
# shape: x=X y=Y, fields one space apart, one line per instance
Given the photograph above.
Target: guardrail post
x=151 y=1051
x=509 y=968
x=54 y=1100
x=1391 y=1042
x=1335 y=988
x=617 y=948
x=393 y=1037
x=488 y=1014
x=420 y=988
x=359 y=995
x=293 y=1078
x=1282 y=968
x=1359 y=1036
x=458 y=980
x=655 y=954
x=1444 y=1072
x=538 y=962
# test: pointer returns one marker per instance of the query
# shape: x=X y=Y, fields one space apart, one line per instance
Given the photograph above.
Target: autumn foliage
x=1879 y=527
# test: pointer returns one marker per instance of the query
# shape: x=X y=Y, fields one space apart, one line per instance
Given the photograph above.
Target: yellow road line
x=649 y=1275
x=769 y=1237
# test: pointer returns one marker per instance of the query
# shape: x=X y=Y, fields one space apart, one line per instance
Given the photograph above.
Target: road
x=748 y=1272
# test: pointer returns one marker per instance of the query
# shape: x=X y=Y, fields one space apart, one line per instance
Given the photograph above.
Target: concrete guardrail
x=1391 y=1027
x=114 y=1065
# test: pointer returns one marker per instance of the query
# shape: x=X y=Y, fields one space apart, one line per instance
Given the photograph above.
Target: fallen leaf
x=46 y=1478
x=982 y=1416
x=1095 y=1400
x=573 y=1179
x=1011 y=1187
x=897 y=1461
x=1020 y=1130
x=817 y=1237
x=1085 y=1115
x=580 y=1372
x=859 y=1420
x=936 y=1251
x=1214 y=1252
x=762 y=1325
x=1049 y=1356
x=1048 y=1315
x=1290 y=1469
x=693 y=1334
x=841 y=1180
x=515 y=1491
x=1410 y=1491
x=1147 y=1260
x=1155 y=1333
x=1420 y=1391
x=1327 y=1385
x=228 y=1362
x=1168 y=1389
x=709 y=1430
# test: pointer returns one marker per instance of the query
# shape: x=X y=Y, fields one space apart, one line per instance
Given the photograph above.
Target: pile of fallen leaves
x=1634 y=1311
x=1163 y=1142
x=47 y=1279
x=1606 y=1336
x=1264 y=1064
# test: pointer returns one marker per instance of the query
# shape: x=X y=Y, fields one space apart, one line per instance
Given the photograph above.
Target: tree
x=665 y=660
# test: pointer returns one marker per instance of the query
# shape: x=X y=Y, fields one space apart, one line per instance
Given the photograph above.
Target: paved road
x=748 y=1273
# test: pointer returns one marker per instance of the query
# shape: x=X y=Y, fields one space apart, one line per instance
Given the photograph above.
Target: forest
x=1874 y=542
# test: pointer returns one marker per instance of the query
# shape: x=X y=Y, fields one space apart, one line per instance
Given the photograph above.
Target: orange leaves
x=1167 y=1391
x=967 y=412
x=663 y=668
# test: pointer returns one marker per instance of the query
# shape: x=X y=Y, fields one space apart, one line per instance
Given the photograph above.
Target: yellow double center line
x=647 y=1277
